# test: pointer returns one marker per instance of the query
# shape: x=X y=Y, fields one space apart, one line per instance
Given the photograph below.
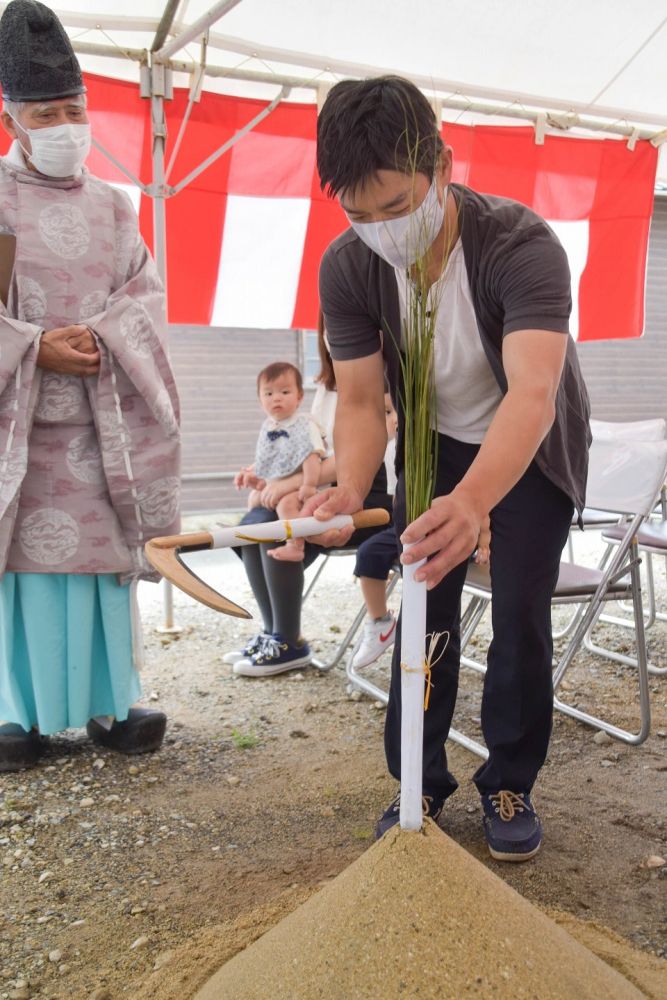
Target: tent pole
x=196 y=29
x=159 y=135
x=195 y=96
x=165 y=24
x=613 y=122
x=159 y=138
x=112 y=159
x=231 y=142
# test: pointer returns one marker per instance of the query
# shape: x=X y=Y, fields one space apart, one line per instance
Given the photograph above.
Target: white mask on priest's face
x=58 y=150
x=403 y=241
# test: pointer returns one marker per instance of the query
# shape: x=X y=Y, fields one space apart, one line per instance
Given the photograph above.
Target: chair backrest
x=633 y=430
x=626 y=476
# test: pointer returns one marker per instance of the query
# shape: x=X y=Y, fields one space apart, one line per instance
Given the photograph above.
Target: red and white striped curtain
x=244 y=240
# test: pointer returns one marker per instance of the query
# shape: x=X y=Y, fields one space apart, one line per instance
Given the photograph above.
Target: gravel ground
x=115 y=869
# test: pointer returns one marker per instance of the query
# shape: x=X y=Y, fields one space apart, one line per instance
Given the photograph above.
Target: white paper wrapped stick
x=164 y=553
x=413 y=630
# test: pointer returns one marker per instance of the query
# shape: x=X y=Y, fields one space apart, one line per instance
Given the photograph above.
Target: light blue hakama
x=66 y=649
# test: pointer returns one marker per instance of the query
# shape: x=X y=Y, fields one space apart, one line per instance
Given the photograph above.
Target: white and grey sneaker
x=250 y=647
x=375 y=639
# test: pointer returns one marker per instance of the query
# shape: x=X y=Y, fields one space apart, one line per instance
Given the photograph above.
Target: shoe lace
x=427 y=801
x=270 y=647
x=508 y=803
x=256 y=643
x=429 y=808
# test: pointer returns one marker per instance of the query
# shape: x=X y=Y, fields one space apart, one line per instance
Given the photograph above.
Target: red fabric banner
x=600 y=191
x=598 y=181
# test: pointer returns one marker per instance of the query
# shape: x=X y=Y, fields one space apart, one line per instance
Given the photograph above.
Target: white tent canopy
x=596 y=60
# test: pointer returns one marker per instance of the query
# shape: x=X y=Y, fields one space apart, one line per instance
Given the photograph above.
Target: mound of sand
x=416 y=916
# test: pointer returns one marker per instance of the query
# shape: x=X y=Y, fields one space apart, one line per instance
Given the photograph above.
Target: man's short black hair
x=384 y=123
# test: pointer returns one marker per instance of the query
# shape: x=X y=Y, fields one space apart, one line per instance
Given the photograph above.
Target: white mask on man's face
x=403 y=241
x=58 y=150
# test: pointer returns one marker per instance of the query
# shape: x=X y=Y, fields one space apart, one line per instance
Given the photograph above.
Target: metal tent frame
x=158 y=65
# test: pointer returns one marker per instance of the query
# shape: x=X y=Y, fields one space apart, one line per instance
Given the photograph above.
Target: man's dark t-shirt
x=519 y=280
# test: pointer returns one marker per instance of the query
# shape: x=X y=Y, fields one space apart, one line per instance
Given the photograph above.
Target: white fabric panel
x=574 y=237
x=539 y=48
x=625 y=476
x=534 y=54
x=629 y=430
x=260 y=263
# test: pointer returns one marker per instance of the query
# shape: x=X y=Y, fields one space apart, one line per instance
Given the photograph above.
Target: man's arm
x=533 y=362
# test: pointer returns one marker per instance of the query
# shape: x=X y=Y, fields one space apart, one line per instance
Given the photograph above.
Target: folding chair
x=652 y=538
x=654 y=429
x=625 y=477
x=357 y=680
x=651 y=541
x=339 y=652
x=477 y=582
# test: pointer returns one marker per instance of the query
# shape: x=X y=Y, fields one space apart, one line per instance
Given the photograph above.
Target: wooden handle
x=372 y=518
x=196 y=540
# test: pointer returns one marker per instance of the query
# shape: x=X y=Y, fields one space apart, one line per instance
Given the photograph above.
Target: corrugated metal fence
x=627 y=379
x=216 y=371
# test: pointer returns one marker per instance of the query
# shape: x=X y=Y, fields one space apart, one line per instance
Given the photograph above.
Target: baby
x=288 y=442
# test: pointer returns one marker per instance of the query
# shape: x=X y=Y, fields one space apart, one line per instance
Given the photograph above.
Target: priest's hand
x=69 y=350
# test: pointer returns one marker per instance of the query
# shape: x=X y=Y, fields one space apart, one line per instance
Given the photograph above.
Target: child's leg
x=254 y=499
x=375 y=558
x=379 y=630
x=375 y=596
x=483 y=554
x=293 y=549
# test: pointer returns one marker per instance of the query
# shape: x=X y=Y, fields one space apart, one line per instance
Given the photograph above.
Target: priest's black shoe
x=18 y=748
x=142 y=732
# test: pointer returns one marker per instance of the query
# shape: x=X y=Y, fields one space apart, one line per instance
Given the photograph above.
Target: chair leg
x=585 y=623
x=326 y=665
x=648 y=619
x=368 y=687
x=349 y=636
x=315 y=577
x=362 y=683
x=567 y=629
x=650 y=609
x=466 y=741
x=470 y=619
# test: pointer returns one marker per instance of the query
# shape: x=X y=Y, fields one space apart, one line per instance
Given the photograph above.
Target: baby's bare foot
x=483 y=555
x=287 y=553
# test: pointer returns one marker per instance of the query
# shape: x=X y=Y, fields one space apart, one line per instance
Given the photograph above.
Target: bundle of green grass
x=418 y=917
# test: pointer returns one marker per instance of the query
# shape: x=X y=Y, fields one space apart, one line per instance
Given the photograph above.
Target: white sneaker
x=250 y=647
x=376 y=637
